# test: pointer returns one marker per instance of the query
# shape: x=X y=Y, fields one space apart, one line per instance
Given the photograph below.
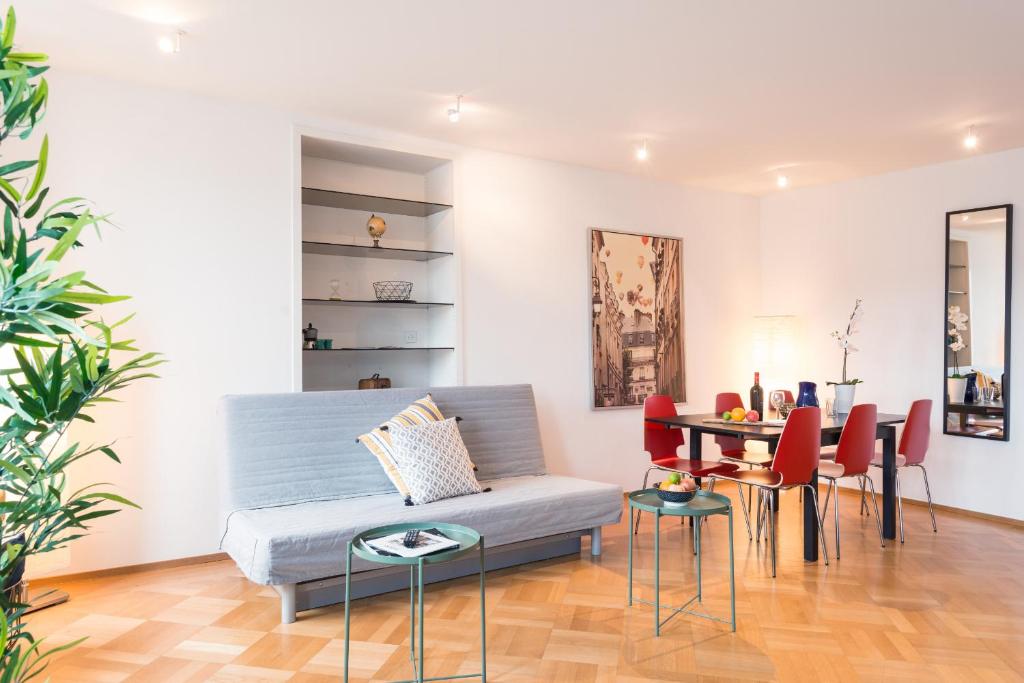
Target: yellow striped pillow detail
x=378 y=441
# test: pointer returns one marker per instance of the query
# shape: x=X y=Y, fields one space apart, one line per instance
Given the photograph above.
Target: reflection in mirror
x=977 y=332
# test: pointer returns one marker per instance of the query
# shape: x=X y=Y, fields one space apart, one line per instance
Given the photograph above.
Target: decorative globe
x=376 y=227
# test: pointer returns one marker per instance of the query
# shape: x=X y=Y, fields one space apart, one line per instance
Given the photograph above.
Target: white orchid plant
x=843 y=339
x=957 y=320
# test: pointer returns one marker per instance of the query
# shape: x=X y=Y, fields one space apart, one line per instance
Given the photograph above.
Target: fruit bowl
x=675 y=497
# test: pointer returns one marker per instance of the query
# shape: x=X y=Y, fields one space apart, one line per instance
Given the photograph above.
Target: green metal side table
x=702 y=505
x=469 y=541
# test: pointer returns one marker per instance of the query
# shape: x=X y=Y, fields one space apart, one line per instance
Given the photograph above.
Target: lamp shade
x=774 y=352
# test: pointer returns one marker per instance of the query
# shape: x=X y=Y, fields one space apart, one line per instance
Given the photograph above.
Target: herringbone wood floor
x=946 y=606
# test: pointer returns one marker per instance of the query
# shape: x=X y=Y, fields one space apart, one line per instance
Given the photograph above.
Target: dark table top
x=829 y=425
x=996 y=407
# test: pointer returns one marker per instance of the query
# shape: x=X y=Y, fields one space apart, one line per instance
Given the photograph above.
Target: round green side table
x=701 y=505
x=468 y=540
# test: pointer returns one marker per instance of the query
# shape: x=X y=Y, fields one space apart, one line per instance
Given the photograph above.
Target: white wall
x=524 y=237
x=882 y=239
x=203 y=192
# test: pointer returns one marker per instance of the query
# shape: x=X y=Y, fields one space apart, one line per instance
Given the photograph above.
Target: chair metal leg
x=746 y=514
x=636 y=528
x=821 y=532
x=928 y=490
x=899 y=502
x=828 y=495
x=835 y=508
x=878 y=520
x=771 y=525
x=863 y=503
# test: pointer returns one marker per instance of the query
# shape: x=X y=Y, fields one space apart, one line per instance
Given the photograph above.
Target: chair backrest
x=787 y=394
x=660 y=440
x=914 y=442
x=723 y=402
x=857 y=442
x=796 y=456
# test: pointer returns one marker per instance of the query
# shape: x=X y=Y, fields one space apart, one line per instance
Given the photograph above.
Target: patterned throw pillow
x=378 y=441
x=433 y=461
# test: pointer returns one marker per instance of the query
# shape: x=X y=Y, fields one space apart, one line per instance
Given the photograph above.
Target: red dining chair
x=662 y=442
x=853 y=458
x=910 y=453
x=734 y=450
x=796 y=458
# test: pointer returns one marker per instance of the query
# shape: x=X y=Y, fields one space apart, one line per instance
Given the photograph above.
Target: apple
x=689 y=485
x=674 y=477
x=727 y=416
x=753 y=416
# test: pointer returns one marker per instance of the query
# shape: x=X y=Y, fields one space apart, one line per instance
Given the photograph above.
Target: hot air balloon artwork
x=637 y=333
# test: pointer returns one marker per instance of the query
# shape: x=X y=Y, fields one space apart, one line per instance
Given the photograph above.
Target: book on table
x=428 y=542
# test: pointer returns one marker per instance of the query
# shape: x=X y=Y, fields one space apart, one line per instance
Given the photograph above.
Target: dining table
x=831 y=428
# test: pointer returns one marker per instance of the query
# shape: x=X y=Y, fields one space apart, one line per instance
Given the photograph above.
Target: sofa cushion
x=295 y=543
x=378 y=440
x=433 y=461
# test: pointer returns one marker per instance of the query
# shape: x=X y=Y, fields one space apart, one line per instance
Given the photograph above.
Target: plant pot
x=843 y=402
x=955 y=389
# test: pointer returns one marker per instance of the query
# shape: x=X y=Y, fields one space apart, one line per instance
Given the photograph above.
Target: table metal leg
x=412 y=615
x=732 y=575
x=697 y=536
x=483 y=615
x=348 y=593
x=696 y=447
x=629 y=562
x=889 y=483
x=811 y=522
x=657 y=578
x=419 y=590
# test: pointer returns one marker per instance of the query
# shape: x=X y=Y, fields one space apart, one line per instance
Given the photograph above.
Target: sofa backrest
x=299 y=447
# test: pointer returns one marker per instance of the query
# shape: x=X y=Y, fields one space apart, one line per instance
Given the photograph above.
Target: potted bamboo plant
x=58 y=359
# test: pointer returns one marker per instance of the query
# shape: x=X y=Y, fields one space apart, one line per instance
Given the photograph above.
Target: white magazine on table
x=426 y=544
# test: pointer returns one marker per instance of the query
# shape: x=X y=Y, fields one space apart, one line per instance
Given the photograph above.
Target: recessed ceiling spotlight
x=971 y=140
x=453 y=114
x=170 y=44
x=782 y=181
x=641 y=152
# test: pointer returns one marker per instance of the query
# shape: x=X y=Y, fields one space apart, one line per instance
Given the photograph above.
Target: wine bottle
x=757 y=395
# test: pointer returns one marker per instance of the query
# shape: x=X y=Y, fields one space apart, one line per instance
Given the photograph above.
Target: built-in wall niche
x=413 y=343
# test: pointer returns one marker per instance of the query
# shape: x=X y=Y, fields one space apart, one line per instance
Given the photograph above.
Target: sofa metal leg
x=595 y=541
x=287 y=593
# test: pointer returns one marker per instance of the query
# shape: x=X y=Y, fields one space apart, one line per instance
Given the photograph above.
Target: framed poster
x=637 y=334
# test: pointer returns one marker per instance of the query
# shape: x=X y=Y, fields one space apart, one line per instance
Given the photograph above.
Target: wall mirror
x=977 y=322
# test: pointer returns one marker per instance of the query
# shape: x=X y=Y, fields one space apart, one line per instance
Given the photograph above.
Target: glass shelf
x=366 y=251
x=366 y=202
x=374 y=302
x=382 y=348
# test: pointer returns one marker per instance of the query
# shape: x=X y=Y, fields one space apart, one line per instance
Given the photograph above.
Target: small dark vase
x=808 y=395
x=971 y=393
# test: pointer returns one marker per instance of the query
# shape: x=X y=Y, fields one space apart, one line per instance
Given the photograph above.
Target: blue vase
x=971 y=393
x=808 y=395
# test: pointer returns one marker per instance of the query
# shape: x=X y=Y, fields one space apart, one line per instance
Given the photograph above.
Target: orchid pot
x=844 y=394
x=956 y=387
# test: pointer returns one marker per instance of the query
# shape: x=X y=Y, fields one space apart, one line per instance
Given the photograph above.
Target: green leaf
x=16 y=166
x=7 y=41
x=89 y=298
x=27 y=57
x=16 y=471
x=34 y=209
x=70 y=237
x=44 y=153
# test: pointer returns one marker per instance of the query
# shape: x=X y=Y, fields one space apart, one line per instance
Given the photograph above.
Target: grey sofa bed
x=300 y=486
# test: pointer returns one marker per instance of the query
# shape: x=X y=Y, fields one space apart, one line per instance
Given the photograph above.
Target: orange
x=738 y=414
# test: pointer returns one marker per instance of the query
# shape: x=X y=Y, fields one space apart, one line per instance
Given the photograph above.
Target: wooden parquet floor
x=946 y=606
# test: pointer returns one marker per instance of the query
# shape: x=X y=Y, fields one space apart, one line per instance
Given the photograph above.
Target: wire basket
x=392 y=290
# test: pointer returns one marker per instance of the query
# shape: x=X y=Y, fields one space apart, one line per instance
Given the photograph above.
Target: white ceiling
x=728 y=92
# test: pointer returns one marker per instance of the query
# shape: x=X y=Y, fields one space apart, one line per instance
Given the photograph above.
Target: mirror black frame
x=1006 y=324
